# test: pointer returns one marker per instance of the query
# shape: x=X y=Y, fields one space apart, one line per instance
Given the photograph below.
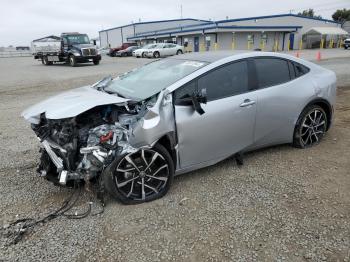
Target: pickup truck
x=70 y=48
x=113 y=51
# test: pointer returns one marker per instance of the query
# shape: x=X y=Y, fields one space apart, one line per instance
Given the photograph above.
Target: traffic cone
x=297 y=54
x=318 y=56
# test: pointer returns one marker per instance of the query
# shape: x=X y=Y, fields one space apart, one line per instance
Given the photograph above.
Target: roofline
x=216 y=27
x=151 y=22
x=275 y=16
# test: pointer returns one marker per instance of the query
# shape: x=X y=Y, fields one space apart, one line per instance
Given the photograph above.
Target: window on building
x=272 y=71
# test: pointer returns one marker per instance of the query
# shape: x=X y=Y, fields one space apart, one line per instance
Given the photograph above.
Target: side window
x=186 y=90
x=65 y=41
x=271 y=71
x=300 y=69
x=225 y=81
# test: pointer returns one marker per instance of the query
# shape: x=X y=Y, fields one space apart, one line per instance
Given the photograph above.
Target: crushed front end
x=79 y=148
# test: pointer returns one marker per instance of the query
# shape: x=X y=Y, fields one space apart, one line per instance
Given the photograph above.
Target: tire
x=156 y=54
x=143 y=55
x=129 y=189
x=45 y=61
x=124 y=54
x=310 y=127
x=96 y=62
x=345 y=47
x=179 y=52
x=72 y=60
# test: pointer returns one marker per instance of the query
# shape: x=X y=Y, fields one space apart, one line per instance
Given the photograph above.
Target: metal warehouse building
x=270 y=33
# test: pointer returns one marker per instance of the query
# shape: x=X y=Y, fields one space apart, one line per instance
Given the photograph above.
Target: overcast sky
x=21 y=21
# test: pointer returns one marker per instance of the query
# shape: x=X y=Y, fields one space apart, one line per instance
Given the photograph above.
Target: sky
x=21 y=21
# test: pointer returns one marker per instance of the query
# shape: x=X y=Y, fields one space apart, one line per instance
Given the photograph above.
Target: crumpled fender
x=158 y=121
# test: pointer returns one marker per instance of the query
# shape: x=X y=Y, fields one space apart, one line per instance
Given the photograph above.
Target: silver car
x=136 y=131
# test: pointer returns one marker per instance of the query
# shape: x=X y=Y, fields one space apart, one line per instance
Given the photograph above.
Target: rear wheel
x=179 y=52
x=72 y=60
x=143 y=55
x=156 y=54
x=311 y=127
x=45 y=61
x=141 y=176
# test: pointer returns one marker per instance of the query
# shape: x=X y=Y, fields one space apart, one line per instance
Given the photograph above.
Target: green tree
x=341 y=15
x=310 y=13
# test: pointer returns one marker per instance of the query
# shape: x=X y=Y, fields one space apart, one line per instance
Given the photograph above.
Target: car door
x=282 y=94
x=227 y=125
x=166 y=50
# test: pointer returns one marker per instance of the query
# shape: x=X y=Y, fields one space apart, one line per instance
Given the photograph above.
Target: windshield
x=150 y=79
x=78 y=39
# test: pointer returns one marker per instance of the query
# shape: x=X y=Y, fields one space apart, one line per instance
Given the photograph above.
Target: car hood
x=70 y=104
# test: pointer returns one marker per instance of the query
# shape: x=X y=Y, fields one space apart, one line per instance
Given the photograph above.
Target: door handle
x=247 y=102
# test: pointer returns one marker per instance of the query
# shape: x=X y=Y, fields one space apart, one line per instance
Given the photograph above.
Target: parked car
x=126 y=52
x=347 y=43
x=165 y=49
x=113 y=51
x=179 y=114
x=141 y=52
x=103 y=50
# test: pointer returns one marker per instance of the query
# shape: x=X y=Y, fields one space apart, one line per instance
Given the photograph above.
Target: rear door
x=282 y=95
x=227 y=125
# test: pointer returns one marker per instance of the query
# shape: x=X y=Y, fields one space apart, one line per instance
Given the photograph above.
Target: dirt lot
x=283 y=204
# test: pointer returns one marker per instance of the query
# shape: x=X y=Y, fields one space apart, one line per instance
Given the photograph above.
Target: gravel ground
x=284 y=204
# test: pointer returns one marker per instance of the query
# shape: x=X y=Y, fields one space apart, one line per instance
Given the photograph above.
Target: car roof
x=211 y=56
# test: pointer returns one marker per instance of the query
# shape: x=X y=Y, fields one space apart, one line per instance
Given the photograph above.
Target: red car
x=113 y=51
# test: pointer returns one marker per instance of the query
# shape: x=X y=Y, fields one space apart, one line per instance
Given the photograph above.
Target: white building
x=275 y=32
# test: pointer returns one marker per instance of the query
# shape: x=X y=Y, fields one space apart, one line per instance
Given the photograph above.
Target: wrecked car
x=136 y=131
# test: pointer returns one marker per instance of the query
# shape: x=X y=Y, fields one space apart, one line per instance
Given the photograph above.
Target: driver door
x=227 y=126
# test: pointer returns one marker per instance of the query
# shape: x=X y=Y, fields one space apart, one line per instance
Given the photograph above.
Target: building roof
x=159 y=21
x=326 y=31
x=276 y=16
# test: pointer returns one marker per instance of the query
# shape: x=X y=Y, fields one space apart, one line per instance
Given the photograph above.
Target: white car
x=165 y=49
x=141 y=52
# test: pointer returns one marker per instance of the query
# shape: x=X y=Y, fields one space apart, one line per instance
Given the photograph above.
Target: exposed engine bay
x=79 y=148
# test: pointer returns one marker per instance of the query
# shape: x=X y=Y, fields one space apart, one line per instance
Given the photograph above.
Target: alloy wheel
x=313 y=127
x=141 y=175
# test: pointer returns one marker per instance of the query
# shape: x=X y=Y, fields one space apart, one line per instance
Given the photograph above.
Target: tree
x=310 y=13
x=341 y=15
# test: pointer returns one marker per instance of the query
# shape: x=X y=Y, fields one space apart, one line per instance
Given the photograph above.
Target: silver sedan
x=175 y=115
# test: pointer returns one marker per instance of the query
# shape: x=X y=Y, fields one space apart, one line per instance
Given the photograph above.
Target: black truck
x=70 y=48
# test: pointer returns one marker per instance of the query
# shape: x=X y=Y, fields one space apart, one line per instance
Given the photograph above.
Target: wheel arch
x=169 y=142
x=326 y=106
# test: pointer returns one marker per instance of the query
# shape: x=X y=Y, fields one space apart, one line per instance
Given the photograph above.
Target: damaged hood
x=70 y=104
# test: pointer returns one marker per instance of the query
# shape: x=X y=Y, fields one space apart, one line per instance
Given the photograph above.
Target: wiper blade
x=100 y=85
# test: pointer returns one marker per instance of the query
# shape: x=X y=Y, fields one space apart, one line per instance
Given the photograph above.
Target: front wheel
x=72 y=60
x=156 y=54
x=143 y=55
x=141 y=176
x=311 y=127
x=45 y=61
x=179 y=52
x=96 y=62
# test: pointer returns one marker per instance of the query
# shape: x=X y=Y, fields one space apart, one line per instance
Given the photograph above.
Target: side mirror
x=198 y=99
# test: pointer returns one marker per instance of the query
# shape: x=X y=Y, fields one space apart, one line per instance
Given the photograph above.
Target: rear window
x=300 y=69
x=272 y=71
